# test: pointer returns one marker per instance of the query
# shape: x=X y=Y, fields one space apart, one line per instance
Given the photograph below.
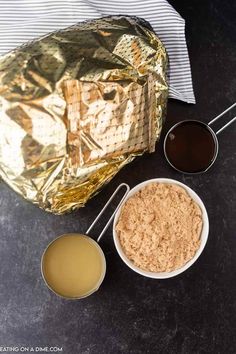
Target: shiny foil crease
x=76 y=106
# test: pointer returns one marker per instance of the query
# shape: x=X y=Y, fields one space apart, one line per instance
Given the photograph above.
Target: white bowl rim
x=204 y=234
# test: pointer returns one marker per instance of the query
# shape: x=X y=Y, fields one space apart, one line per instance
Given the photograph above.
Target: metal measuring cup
x=171 y=133
x=95 y=243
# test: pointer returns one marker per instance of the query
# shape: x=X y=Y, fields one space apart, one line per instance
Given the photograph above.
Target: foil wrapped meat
x=76 y=106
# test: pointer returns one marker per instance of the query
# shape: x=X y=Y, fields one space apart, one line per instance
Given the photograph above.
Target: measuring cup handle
x=220 y=115
x=127 y=189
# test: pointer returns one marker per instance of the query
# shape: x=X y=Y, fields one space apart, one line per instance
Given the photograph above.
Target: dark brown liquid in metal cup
x=191 y=147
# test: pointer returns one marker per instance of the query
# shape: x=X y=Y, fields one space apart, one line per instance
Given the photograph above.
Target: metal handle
x=220 y=115
x=104 y=208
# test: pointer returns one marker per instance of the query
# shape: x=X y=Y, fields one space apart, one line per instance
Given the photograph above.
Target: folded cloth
x=22 y=21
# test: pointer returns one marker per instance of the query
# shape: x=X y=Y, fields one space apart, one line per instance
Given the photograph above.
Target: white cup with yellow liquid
x=73 y=265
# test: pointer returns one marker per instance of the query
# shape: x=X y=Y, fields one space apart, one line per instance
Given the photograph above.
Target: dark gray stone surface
x=192 y=313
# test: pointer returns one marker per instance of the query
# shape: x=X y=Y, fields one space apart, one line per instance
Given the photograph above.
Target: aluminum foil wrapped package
x=76 y=106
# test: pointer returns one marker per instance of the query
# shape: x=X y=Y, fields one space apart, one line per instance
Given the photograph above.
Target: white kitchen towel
x=25 y=20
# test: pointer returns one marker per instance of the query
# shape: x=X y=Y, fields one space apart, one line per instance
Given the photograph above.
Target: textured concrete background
x=193 y=313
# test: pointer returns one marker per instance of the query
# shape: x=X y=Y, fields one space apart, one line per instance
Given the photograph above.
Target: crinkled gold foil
x=76 y=106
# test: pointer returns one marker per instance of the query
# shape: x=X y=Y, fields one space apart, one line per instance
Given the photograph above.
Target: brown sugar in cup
x=160 y=229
